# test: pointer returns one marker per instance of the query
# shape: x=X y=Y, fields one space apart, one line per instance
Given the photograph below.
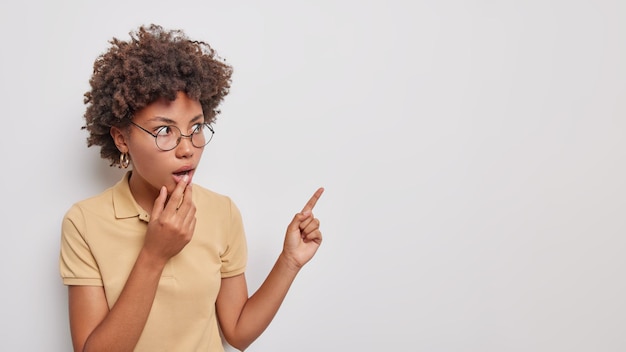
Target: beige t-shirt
x=101 y=239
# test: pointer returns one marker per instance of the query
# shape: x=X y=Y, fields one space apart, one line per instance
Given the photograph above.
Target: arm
x=242 y=318
x=93 y=326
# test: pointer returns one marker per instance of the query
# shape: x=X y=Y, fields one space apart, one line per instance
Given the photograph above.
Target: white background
x=473 y=155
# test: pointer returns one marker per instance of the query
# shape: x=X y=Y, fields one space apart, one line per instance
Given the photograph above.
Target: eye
x=197 y=128
x=164 y=131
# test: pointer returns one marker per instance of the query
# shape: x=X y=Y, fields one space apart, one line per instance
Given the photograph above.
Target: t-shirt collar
x=124 y=203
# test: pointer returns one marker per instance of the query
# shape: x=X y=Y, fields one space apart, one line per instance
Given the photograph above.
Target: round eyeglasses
x=168 y=137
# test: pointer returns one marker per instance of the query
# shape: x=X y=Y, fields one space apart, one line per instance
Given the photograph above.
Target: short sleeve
x=77 y=264
x=234 y=259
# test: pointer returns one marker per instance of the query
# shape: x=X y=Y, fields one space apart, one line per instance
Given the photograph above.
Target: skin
x=167 y=197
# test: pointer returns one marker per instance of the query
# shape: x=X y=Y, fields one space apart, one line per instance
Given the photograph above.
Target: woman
x=157 y=263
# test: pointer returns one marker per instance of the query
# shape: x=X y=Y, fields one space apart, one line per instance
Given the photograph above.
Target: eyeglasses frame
x=182 y=135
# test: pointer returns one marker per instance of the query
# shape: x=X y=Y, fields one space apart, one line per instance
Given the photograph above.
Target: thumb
x=159 y=203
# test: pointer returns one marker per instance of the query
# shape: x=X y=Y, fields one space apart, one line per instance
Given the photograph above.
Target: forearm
x=121 y=328
x=263 y=305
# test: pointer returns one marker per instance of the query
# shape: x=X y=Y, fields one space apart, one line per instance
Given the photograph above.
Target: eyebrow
x=172 y=122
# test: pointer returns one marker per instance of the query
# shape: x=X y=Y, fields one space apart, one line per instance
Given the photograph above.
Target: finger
x=311 y=203
x=159 y=203
x=187 y=207
x=313 y=225
x=177 y=194
x=186 y=202
x=294 y=225
x=315 y=236
x=189 y=223
x=306 y=220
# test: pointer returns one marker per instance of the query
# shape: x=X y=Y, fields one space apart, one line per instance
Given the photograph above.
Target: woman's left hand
x=303 y=236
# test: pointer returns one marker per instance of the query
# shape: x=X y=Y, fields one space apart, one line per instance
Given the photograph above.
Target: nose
x=184 y=149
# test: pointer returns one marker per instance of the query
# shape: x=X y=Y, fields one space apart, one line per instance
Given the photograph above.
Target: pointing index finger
x=311 y=203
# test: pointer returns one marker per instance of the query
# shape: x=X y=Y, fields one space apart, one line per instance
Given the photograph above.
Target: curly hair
x=153 y=64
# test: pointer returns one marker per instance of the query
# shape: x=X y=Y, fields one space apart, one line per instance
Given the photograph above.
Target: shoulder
x=207 y=199
x=94 y=204
x=82 y=213
x=203 y=194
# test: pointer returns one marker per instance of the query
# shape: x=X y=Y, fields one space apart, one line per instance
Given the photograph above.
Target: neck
x=143 y=192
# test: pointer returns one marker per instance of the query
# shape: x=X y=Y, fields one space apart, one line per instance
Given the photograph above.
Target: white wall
x=473 y=154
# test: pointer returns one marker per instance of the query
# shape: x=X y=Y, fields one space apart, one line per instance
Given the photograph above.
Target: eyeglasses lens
x=169 y=137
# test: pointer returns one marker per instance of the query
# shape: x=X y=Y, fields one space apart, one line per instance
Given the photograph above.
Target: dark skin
x=91 y=322
x=242 y=317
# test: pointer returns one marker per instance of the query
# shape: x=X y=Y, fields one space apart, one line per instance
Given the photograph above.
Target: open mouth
x=182 y=173
x=179 y=175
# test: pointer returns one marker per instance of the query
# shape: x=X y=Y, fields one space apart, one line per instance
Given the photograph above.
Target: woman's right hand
x=93 y=325
x=172 y=222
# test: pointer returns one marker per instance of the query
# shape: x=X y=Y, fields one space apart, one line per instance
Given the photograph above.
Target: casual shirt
x=103 y=235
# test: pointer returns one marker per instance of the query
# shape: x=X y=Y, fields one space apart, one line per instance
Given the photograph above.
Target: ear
x=119 y=137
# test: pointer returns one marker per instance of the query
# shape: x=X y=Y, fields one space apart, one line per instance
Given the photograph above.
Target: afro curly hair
x=154 y=64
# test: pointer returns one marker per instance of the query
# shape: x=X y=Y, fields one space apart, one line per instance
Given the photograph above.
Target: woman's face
x=153 y=167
